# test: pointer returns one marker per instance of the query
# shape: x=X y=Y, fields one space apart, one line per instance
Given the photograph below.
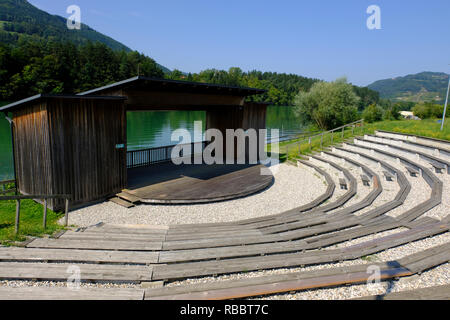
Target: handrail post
x=45 y=214
x=343 y=130
x=66 y=216
x=17 y=216
x=321 y=141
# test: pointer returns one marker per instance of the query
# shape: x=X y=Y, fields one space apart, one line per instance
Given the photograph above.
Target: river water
x=154 y=129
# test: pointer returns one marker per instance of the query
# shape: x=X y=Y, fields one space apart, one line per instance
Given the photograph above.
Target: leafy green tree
x=428 y=110
x=328 y=104
x=393 y=112
x=367 y=97
x=175 y=75
x=373 y=113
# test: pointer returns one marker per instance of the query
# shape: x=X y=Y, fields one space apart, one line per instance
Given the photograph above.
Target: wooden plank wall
x=84 y=135
x=224 y=118
x=32 y=149
x=250 y=116
x=255 y=117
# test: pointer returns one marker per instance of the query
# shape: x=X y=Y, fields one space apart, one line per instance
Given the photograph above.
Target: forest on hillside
x=281 y=88
x=21 y=21
x=34 y=67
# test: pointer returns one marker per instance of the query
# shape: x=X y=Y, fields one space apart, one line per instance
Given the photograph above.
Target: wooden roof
x=38 y=97
x=155 y=84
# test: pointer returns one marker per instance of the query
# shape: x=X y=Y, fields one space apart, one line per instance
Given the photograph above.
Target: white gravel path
x=293 y=187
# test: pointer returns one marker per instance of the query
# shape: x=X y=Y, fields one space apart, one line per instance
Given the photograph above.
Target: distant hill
x=424 y=86
x=21 y=21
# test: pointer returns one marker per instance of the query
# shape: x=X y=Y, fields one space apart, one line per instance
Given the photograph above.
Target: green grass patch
x=427 y=128
x=31 y=219
x=371 y=258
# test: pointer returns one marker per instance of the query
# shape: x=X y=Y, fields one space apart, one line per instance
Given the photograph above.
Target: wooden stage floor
x=167 y=183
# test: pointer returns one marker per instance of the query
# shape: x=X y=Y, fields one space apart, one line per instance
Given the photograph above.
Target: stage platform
x=167 y=183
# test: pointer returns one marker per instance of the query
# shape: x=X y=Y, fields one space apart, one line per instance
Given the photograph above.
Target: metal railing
x=18 y=198
x=294 y=136
x=146 y=157
x=323 y=135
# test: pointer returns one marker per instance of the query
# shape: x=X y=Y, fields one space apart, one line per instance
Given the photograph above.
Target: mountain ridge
x=419 y=87
x=22 y=21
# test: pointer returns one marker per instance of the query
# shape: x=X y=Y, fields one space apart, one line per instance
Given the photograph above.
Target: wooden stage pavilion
x=77 y=144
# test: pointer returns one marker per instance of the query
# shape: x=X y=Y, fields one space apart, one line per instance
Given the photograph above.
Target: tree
x=373 y=113
x=328 y=104
x=393 y=112
x=428 y=110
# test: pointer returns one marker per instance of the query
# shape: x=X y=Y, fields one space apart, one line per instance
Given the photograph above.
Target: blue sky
x=323 y=39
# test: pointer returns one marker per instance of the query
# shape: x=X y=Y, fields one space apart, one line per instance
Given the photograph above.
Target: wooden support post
x=44 y=224
x=353 y=129
x=343 y=129
x=66 y=217
x=310 y=146
x=332 y=135
x=17 y=216
x=321 y=141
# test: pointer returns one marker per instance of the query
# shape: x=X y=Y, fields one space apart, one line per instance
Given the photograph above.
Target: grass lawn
x=31 y=214
x=427 y=128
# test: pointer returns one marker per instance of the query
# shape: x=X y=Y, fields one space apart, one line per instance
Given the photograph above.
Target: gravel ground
x=63 y=284
x=420 y=186
x=362 y=191
x=420 y=190
x=335 y=175
x=389 y=189
x=286 y=194
x=435 y=277
x=293 y=187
